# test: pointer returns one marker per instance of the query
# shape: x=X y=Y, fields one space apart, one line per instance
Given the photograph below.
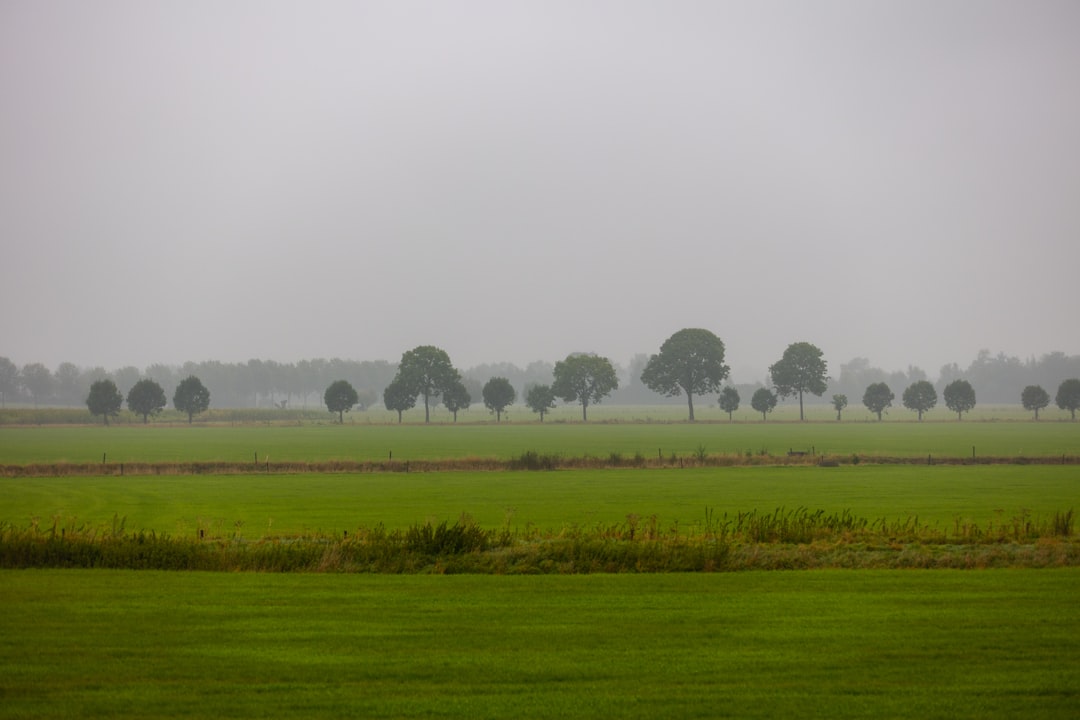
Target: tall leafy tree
x=191 y=397
x=146 y=398
x=1068 y=396
x=691 y=361
x=38 y=381
x=398 y=398
x=763 y=401
x=839 y=402
x=9 y=380
x=959 y=397
x=340 y=398
x=586 y=379
x=104 y=400
x=426 y=371
x=877 y=398
x=498 y=394
x=69 y=386
x=920 y=396
x=540 y=399
x=1034 y=398
x=729 y=401
x=457 y=397
x=801 y=370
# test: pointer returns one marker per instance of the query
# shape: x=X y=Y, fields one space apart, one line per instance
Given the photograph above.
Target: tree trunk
x=341 y=417
x=189 y=415
x=800 y=406
x=584 y=411
x=427 y=411
x=398 y=417
x=879 y=416
x=690 y=404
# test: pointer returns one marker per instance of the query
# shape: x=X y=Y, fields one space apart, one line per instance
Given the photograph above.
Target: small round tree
x=839 y=402
x=920 y=397
x=499 y=394
x=1068 y=396
x=191 y=397
x=146 y=398
x=540 y=399
x=456 y=397
x=1034 y=398
x=763 y=401
x=729 y=401
x=104 y=399
x=398 y=397
x=877 y=398
x=959 y=397
x=340 y=398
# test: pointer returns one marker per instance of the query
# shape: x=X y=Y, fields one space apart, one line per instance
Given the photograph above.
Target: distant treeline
x=265 y=383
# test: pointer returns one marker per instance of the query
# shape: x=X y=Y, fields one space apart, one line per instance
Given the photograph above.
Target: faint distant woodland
x=265 y=383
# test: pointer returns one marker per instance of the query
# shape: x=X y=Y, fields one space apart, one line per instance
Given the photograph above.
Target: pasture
x=816 y=643
x=259 y=505
x=377 y=442
x=820 y=644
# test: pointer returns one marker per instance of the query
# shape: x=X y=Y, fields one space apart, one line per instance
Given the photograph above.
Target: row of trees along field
x=265 y=383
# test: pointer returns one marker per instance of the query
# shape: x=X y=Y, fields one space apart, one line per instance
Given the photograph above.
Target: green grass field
x=315 y=443
x=274 y=504
x=835 y=644
x=830 y=644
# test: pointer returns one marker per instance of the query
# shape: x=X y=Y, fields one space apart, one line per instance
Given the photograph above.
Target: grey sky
x=519 y=180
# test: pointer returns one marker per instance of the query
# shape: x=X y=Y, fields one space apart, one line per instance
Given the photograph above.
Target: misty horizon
x=511 y=183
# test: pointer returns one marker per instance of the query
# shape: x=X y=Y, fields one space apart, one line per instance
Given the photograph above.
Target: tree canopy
x=1034 y=398
x=877 y=398
x=456 y=398
x=426 y=371
x=691 y=361
x=839 y=402
x=498 y=394
x=959 y=397
x=104 y=399
x=586 y=379
x=801 y=370
x=540 y=399
x=146 y=398
x=729 y=401
x=920 y=397
x=397 y=397
x=340 y=397
x=1068 y=396
x=763 y=401
x=191 y=397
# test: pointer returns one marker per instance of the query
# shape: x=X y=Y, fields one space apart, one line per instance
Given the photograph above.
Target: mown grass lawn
x=828 y=644
x=258 y=505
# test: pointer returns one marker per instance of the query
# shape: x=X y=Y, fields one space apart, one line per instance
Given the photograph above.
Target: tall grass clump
x=781 y=539
x=532 y=460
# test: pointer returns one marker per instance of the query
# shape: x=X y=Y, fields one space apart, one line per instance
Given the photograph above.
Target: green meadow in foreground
x=320 y=443
x=820 y=644
x=259 y=505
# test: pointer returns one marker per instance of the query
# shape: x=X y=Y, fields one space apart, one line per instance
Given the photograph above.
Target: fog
x=512 y=182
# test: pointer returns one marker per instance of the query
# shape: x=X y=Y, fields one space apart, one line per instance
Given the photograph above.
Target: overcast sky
x=515 y=181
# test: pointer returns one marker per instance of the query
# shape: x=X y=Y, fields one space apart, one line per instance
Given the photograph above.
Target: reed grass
x=782 y=538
